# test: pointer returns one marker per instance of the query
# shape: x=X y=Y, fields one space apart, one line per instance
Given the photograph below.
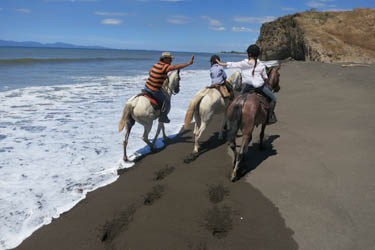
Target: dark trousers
x=164 y=102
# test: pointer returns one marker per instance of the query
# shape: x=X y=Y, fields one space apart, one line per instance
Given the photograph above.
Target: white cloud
x=100 y=13
x=26 y=11
x=245 y=19
x=319 y=4
x=243 y=29
x=112 y=21
x=286 y=8
x=214 y=24
x=178 y=19
x=217 y=28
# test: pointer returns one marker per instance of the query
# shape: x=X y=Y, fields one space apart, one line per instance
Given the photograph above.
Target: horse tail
x=235 y=118
x=193 y=107
x=125 y=114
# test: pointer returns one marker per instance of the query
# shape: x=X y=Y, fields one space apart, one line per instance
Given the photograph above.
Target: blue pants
x=161 y=99
x=265 y=90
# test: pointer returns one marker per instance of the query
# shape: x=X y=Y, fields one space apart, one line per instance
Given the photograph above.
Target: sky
x=173 y=25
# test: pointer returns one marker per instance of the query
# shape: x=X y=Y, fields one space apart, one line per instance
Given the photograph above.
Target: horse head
x=235 y=80
x=273 y=82
x=172 y=83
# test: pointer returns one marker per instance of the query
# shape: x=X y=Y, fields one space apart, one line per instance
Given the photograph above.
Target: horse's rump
x=193 y=106
x=262 y=108
x=246 y=108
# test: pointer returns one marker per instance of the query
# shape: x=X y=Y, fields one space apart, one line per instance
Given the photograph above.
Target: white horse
x=205 y=104
x=139 y=109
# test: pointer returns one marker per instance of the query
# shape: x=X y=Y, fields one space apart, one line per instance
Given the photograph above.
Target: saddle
x=264 y=100
x=225 y=90
x=151 y=98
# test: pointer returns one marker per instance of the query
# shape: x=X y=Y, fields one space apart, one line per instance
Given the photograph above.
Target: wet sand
x=312 y=188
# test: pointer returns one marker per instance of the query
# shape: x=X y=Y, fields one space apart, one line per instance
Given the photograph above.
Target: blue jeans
x=265 y=90
x=164 y=102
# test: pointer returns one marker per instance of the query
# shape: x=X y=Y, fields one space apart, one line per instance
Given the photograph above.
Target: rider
x=157 y=76
x=253 y=76
x=217 y=72
x=219 y=78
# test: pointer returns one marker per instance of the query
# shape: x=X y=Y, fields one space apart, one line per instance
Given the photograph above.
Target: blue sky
x=175 y=25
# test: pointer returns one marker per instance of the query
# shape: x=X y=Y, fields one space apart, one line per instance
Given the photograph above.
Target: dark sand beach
x=311 y=189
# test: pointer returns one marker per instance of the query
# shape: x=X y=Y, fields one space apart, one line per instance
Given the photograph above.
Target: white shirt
x=246 y=68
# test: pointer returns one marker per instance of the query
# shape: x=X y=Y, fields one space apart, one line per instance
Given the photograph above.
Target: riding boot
x=163 y=114
x=271 y=119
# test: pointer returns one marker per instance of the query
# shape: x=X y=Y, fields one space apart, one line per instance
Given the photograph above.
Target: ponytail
x=253 y=51
x=256 y=60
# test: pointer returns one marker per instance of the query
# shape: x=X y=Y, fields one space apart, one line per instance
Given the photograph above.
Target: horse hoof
x=126 y=159
x=190 y=157
x=233 y=178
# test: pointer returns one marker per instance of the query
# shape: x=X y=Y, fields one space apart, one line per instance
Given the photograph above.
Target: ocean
x=59 y=113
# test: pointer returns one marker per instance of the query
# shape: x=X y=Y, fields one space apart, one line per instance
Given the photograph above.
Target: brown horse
x=247 y=112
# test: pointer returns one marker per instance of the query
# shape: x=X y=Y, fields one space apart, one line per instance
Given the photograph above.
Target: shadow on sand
x=210 y=144
x=162 y=145
x=254 y=156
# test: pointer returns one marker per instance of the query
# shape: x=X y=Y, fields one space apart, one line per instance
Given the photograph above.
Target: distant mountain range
x=4 y=43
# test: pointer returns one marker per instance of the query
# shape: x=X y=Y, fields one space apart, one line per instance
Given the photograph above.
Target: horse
x=247 y=112
x=139 y=109
x=205 y=104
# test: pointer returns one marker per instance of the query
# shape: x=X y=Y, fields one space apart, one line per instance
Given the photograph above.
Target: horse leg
x=147 y=129
x=198 y=135
x=160 y=125
x=197 y=123
x=246 y=138
x=128 y=126
x=165 y=138
x=261 y=136
x=222 y=127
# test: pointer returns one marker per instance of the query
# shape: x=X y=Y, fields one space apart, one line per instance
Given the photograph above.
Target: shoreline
x=303 y=192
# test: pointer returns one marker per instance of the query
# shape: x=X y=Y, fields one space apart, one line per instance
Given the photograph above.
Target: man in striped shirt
x=157 y=76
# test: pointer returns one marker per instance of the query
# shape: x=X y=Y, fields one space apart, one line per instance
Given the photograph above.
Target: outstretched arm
x=181 y=66
x=220 y=63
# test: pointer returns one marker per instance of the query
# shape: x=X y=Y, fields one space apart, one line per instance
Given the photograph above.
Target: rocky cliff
x=347 y=36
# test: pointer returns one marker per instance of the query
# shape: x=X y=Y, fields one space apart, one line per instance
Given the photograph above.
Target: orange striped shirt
x=157 y=76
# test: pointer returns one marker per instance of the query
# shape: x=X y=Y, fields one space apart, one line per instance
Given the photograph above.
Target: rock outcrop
x=347 y=36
